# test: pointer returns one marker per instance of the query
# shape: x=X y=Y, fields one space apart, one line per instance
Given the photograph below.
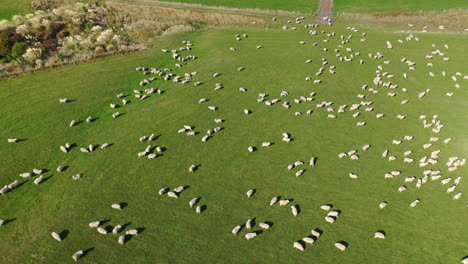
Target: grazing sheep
x=330 y=219
x=402 y=189
x=284 y=202
x=63 y=100
x=12 y=140
x=250 y=193
x=383 y=205
x=266 y=144
x=341 y=246
x=56 y=236
x=298 y=246
x=273 y=201
x=172 y=194
x=457 y=196
x=313 y=161
x=308 y=240
x=414 y=203
x=77 y=176
x=379 y=234
x=198 y=209
x=326 y=207
x=116 y=206
x=247 y=111
x=193 y=202
x=299 y=173
x=236 y=230
x=265 y=226
x=101 y=230
x=251 y=149
x=73 y=123
x=249 y=236
x=121 y=240
x=38 y=180
x=77 y=255
x=248 y=224
x=116 y=229
x=353 y=175
x=132 y=232
x=294 y=210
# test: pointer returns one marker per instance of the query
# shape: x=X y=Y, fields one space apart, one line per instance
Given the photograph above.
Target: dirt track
x=324 y=10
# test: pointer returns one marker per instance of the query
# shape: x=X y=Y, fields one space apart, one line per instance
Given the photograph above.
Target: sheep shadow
x=125 y=226
x=298 y=207
x=47 y=178
x=64 y=234
x=86 y=252
x=6 y=222
x=269 y=223
x=71 y=100
x=203 y=208
x=155 y=138
x=102 y=222
x=77 y=123
x=123 y=205
x=141 y=230
x=72 y=146
x=258 y=232
x=20 y=140
x=93 y=119
x=19 y=185
x=196 y=167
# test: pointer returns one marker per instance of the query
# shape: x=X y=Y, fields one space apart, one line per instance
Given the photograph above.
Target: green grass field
x=433 y=232
x=9 y=8
x=397 y=5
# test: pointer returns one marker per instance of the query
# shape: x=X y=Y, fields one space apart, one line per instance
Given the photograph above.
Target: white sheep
x=56 y=236
x=250 y=193
x=294 y=210
x=116 y=229
x=77 y=255
x=379 y=234
x=236 y=230
x=298 y=246
x=249 y=236
x=273 y=201
x=341 y=246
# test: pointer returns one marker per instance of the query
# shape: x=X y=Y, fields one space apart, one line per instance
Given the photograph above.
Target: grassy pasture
x=386 y=6
x=9 y=8
x=433 y=232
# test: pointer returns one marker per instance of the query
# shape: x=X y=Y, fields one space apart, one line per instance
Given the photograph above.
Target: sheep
x=132 y=232
x=298 y=246
x=359 y=124
x=56 y=236
x=249 y=224
x=14 y=184
x=342 y=155
x=94 y=224
x=299 y=173
x=457 y=196
x=116 y=206
x=250 y=193
x=193 y=202
x=192 y=168
x=266 y=144
x=251 y=149
x=353 y=175
x=172 y=195
x=121 y=240
x=212 y=108
x=63 y=100
x=236 y=230
x=402 y=189
x=198 y=209
x=457 y=180
x=451 y=188
x=249 y=236
x=308 y=240
x=77 y=255
x=330 y=219
x=38 y=180
x=341 y=246
x=63 y=149
x=414 y=203
x=115 y=115
x=273 y=201
x=265 y=226
x=12 y=140
x=73 y=123
x=382 y=205
x=294 y=210
x=101 y=230
x=283 y=202
x=464 y=260
x=379 y=234
x=326 y=207
x=116 y=229
x=247 y=111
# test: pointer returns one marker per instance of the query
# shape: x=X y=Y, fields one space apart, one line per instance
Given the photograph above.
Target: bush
x=18 y=49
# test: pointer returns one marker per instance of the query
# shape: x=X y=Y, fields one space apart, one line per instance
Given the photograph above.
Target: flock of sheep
x=357 y=107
